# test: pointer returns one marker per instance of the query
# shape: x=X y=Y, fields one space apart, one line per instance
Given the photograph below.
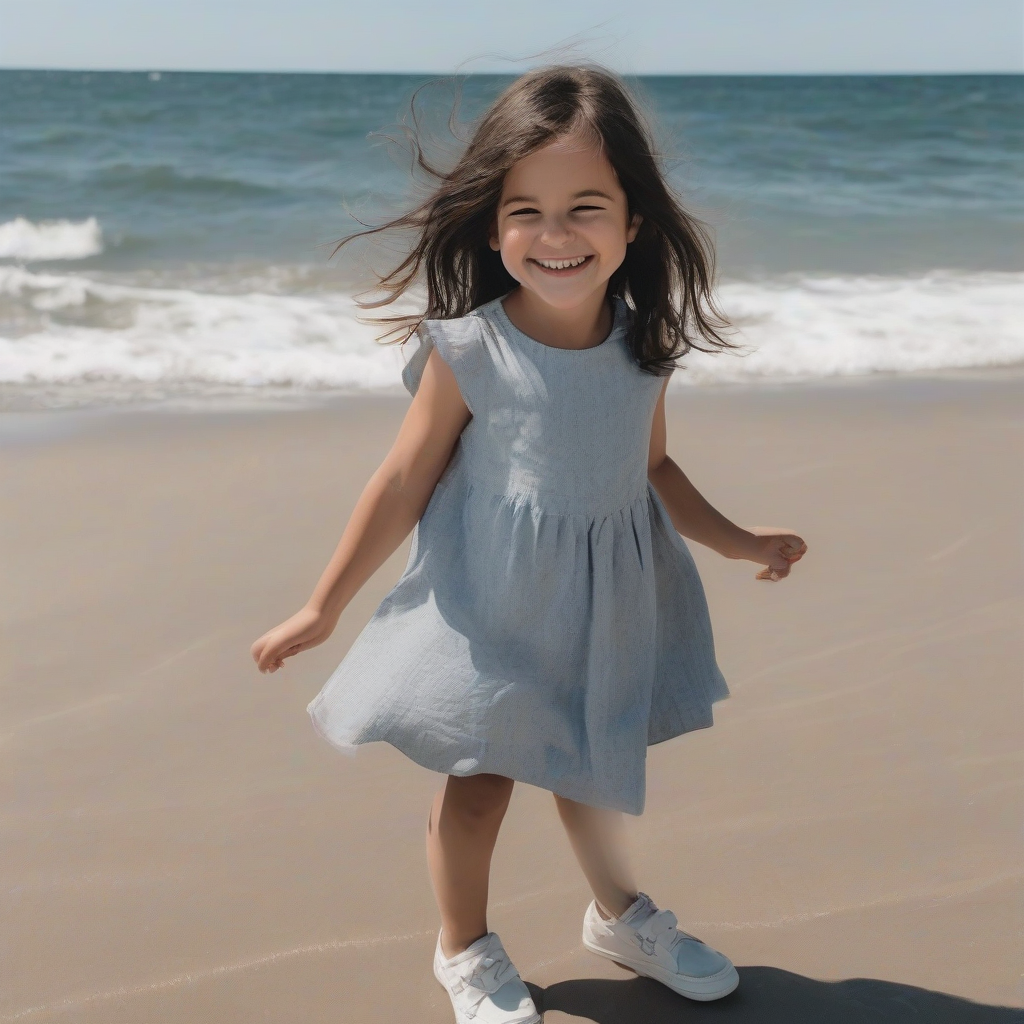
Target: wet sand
x=180 y=846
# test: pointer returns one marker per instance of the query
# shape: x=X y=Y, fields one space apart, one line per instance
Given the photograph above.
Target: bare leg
x=461 y=831
x=599 y=841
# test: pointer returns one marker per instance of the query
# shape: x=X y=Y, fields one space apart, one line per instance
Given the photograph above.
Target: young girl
x=550 y=624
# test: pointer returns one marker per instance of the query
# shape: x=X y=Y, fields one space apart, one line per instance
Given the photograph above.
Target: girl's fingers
x=792 y=552
x=781 y=555
x=270 y=657
x=267 y=651
x=272 y=660
x=774 y=573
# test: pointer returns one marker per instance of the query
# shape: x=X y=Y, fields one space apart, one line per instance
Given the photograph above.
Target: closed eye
x=528 y=210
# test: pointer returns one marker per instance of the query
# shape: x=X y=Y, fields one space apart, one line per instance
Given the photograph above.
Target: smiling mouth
x=563 y=265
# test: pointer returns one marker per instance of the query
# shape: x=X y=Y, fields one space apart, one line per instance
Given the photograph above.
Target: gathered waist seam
x=552 y=502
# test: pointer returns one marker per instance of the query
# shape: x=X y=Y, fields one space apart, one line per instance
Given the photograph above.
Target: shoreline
x=36 y=422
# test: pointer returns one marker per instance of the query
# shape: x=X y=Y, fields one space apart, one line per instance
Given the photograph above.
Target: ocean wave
x=799 y=327
x=63 y=328
x=68 y=328
x=21 y=239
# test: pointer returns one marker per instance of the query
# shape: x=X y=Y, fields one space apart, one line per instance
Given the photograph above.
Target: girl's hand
x=775 y=548
x=306 y=628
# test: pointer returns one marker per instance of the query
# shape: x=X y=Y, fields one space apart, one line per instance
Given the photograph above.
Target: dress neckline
x=618 y=317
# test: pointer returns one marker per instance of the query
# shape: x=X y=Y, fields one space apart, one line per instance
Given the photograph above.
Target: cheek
x=610 y=240
x=515 y=243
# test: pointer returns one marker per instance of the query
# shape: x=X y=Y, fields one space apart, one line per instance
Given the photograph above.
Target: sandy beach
x=180 y=846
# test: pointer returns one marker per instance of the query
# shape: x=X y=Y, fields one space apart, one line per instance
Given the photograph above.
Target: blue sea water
x=169 y=233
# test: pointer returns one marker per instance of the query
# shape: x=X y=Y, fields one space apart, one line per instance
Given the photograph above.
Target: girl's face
x=562 y=224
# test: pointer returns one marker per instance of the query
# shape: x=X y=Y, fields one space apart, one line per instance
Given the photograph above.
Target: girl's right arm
x=389 y=507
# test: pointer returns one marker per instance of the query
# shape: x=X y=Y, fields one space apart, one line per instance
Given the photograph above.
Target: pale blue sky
x=635 y=36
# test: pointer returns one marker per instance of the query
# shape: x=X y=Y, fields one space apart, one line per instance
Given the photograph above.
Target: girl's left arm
x=694 y=517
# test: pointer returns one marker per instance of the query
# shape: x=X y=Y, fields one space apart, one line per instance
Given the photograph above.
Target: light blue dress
x=550 y=623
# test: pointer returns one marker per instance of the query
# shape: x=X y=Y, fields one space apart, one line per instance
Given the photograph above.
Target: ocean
x=167 y=236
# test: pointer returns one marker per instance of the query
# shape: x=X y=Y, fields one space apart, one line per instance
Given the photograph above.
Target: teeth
x=562 y=264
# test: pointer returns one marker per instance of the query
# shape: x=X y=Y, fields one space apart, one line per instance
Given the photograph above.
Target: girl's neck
x=582 y=326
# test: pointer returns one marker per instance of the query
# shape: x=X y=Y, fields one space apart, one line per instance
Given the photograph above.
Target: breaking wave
x=64 y=328
x=28 y=242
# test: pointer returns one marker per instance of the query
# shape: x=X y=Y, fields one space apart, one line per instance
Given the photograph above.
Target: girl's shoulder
x=460 y=341
x=458 y=330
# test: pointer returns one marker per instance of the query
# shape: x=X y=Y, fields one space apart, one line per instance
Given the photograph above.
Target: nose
x=556 y=233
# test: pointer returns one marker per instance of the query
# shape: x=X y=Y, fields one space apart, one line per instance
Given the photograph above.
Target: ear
x=492 y=237
x=634 y=227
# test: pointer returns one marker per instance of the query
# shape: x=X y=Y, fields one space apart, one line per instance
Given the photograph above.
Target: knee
x=478 y=799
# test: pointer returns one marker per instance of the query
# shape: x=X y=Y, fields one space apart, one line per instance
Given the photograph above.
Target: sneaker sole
x=703 y=990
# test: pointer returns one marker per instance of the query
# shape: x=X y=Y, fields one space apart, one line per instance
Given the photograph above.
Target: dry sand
x=179 y=846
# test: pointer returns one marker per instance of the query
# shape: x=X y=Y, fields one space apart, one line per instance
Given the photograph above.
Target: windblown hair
x=667 y=276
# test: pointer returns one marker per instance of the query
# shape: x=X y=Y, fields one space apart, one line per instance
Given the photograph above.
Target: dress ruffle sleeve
x=460 y=343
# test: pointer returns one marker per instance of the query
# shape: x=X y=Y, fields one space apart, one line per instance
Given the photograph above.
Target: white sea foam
x=80 y=329
x=21 y=239
x=832 y=326
x=67 y=328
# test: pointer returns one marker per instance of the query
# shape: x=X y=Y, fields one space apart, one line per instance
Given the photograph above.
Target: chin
x=566 y=297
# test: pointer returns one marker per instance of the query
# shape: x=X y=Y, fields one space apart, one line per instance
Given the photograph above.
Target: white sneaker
x=646 y=940
x=483 y=984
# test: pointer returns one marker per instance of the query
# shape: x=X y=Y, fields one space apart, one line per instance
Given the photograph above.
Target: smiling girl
x=550 y=624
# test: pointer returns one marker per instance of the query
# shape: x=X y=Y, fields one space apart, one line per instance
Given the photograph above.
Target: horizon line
x=405 y=73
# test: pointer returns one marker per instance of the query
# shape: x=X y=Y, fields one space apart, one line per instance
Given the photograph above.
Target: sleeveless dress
x=550 y=623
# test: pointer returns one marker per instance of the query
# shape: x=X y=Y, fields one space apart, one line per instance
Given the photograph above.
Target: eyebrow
x=576 y=195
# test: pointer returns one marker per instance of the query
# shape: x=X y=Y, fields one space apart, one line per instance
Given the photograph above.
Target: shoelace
x=485 y=977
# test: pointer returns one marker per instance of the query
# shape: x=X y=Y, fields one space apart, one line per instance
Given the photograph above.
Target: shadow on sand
x=769 y=996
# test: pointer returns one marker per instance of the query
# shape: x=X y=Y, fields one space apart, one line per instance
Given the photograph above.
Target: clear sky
x=634 y=36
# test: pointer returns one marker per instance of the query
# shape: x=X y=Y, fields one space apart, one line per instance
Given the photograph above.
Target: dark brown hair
x=667 y=275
